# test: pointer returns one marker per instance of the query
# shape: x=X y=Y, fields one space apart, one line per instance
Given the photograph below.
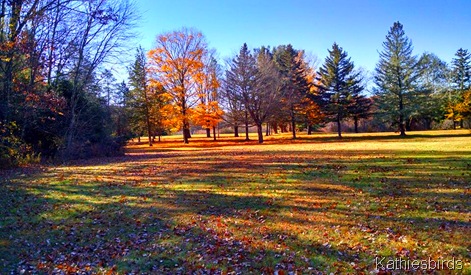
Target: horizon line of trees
x=59 y=97
x=280 y=88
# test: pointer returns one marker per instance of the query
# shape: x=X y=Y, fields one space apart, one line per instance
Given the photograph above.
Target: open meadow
x=312 y=205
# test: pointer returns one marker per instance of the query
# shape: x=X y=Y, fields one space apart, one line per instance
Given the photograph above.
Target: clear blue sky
x=358 y=26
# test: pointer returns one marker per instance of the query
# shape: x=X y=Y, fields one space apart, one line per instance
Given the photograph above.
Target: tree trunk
x=268 y=130
x=293 y=122
x=461 y=124
x=293 y=127
x=402 y=123
x=7 y=91
x=214 y=133
x=260 y=133
x=208 y=132
x=139 y=139
x=149 y=129
x=186 y=135
x=236 y=130
x=339 y=126
x=402 y=129
x=408 y=125
x=247 y=126
x=186 y=131
x=356 y=124
x=70 y=133
x=309 y=129
x=275 y=128
x=159 y=137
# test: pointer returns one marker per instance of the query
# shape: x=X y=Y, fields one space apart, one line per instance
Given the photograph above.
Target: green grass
x=316 y=204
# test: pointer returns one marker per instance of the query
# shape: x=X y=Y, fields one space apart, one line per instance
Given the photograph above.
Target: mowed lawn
x=313 y=205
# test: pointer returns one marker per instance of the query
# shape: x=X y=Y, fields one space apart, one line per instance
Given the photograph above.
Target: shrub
x=14 y=151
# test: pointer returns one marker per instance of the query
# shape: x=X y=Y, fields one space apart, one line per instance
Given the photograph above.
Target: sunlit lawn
x=310 y=205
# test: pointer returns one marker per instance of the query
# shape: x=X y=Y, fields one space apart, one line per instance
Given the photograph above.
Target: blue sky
x=358 y=26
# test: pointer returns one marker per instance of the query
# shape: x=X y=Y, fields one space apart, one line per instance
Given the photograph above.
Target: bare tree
x=254 y=81
x=105 y=25
x=15 y=17
x=267 y=94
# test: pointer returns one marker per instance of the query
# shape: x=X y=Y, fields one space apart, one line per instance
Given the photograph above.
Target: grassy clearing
x=312 y=205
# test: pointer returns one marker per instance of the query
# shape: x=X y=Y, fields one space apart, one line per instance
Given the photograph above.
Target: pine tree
x=461 y=81
x=241 y=79
x=295 y=83
x=139 y=93
x=339 y=86
x=462 y=70
x=396 y=76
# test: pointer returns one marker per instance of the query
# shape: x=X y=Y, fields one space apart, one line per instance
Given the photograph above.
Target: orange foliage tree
x=464 y=107
x=177 y=63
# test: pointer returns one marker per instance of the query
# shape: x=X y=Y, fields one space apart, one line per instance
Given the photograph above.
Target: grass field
x=313 y=205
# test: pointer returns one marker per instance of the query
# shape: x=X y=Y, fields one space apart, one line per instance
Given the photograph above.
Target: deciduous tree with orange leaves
x=177 y=62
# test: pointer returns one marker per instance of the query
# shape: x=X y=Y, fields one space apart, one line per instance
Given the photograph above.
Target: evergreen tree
x=294 y=81
x=461 y=81
x=241 y=80
x=462 y=70
x=395 y=78
x=339 y=87
x=139 y=98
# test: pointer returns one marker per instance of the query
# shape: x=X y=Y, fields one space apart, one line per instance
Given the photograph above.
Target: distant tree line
x=278 y=88
x=59 y=100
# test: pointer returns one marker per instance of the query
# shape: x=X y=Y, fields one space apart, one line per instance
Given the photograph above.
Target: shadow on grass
x=209 y=144
x=179 y=212
x=139 y=235
x=389 y=137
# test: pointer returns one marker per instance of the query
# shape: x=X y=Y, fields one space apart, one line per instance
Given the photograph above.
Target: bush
x=14 y=151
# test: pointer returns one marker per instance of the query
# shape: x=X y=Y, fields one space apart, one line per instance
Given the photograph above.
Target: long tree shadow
x=387 y=137
x=144 y=231
x=242 y=212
